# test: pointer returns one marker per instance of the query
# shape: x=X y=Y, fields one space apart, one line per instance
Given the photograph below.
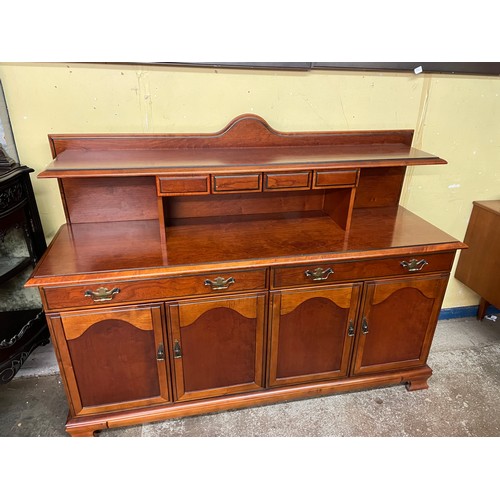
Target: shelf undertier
x=255 y=236
x=135 y=248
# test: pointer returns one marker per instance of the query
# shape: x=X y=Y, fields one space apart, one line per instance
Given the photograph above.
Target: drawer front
x=333 y=178
x=236 y=183
x=293 y=180
x=324 y=272
x=161 y=289
x=183 y=185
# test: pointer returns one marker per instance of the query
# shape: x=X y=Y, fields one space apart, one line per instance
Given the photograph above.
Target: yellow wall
x=455 y=117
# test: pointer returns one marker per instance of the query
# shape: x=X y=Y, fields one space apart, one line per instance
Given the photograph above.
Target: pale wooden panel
x=75 y=324
x=341 y=296
x=191 y=311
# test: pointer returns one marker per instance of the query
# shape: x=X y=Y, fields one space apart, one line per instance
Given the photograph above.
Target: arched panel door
x=114 y=358
x=217 y=345
x=397 y=323
x=311 y=334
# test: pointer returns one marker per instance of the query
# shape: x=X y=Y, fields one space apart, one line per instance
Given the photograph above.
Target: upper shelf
x=247 y=143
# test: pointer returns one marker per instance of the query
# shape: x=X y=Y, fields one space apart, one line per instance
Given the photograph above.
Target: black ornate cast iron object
x=5 y=160
x=4 y=344
x=23 y=325
x=11 y=196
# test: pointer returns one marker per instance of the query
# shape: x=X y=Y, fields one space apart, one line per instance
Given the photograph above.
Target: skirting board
x=465 y=312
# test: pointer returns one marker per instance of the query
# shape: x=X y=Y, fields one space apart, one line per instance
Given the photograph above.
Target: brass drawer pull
x=319 y=274
x=414 y=265
x=220 y=283
x=102 y=294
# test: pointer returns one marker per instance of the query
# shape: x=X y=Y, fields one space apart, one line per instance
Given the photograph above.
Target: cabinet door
x=397 y=323
x=217 y=345
x=311 y=334
x=113 y=358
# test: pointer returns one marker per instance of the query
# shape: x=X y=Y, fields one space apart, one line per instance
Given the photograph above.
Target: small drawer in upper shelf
x=176 y=287
x=236 y=183
x=287 y=181
x=335 y=178
x=328 y=272
x=183 y=185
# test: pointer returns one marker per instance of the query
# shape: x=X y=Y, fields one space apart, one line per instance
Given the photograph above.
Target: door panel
x=217 y=345
x=311 y=334
x=397 y=323
x=114 y=357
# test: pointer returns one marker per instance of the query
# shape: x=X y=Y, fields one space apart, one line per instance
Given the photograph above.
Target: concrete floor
x=463 y=399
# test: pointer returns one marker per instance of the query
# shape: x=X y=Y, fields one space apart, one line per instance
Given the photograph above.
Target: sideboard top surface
x=135 y=248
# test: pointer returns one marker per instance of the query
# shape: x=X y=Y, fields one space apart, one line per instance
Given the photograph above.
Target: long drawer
x=155 y=289
x=324 y=272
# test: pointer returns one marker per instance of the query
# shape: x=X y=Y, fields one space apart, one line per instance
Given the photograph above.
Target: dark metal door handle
x=364 y=326
x=350 y=330
x=177 y=350
x=160 y=355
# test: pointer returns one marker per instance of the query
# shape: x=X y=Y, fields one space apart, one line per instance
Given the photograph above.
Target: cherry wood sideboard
x=206 y=272
x=478 y=267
